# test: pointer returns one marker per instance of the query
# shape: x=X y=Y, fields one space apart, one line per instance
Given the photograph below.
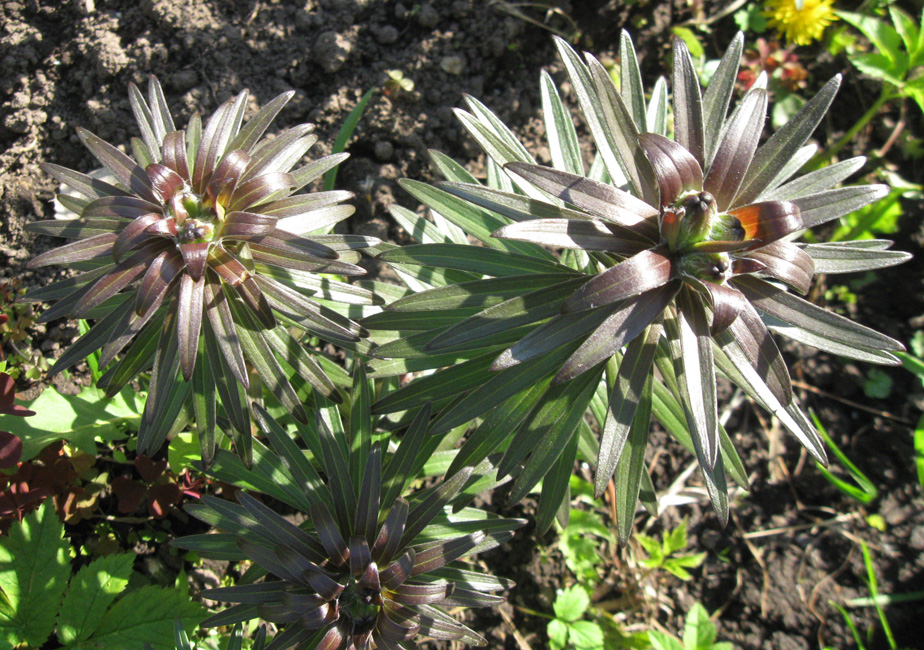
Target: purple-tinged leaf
x=222 y=324
x=746 y=265
x=285 y=346
x=161 y=119
x=195 y=257
x=786 y=262
x=555 y=333
x=621 y=131
x=388 y=541
x=267 y=559
x=852 y=256
x=143 y=346
x=91 y=341
x=86 y=185
x=123 y=167
x=423 y=594
x=791 y=309
x=78 y=251
x=726 y=302
x=360 y=557
x=604 y=201
x=735 y=151
x=143 y=117
x=570 y=233
x=634 y=315
x=688 y=103
x=286 y=242
x=443 y=553
x=367 y=505
x=260 y=592
x=189 y=321
x=112 y=283
x=225 y=177
x=134 y=234
x=768 y=222
x=246 y=225
x=432 y=504
x=304 y=204
x=437 y=624
x=123 y=207
x=634 y=372
x=719 y=94
x=674 y=167
x=329 y=534
x=310 y=314
x=816 y=181
x=398 y=571
x=516 y=207
x=822 y=207
x=166 y=394
x=260 y=190
x=173 y=153
x=286 y=533
x=164 y=180
x=784 y=144
x=256 y=126
x=63 y=288
x=219 y=130
x=157 y=280
x=756 y=345
x=299 y=262
x=648 y=270
x=82 y=228
x=695 y=368
x=281 y=153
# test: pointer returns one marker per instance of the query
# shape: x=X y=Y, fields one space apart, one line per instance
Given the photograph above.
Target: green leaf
x=919 y=450
x=879 y=32
x=586 y=635
x=699 y=630
x=145 y=616
x=470 y=258
x=349 y=125
x=34 y=570
x=80 y=419
x=664 y=641
x=571 y=603
x=90 y=593
x=558 y=634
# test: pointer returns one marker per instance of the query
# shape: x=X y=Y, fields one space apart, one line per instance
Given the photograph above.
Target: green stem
x=822 y=158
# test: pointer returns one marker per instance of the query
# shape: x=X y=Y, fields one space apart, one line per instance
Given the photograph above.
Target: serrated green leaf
x=558 y=634
x=571 y=603
x=145 y=616
x=79 y=419
x=90 y=593
x=586 y=635
x=34 y=570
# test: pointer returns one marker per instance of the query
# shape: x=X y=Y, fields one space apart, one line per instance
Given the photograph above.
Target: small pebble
x=453 y=64
x=384 y=150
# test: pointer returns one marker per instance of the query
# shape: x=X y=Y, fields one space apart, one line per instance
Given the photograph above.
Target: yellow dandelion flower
x=800 y=22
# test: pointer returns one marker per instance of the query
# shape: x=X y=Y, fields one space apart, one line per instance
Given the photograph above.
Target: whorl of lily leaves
x=690 y=247
x=199 y=257
x=369 y=568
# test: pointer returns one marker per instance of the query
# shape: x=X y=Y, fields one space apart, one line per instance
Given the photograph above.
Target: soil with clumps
x=792 y=546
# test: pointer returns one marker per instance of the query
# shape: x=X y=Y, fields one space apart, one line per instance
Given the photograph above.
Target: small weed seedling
x=664 y=554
